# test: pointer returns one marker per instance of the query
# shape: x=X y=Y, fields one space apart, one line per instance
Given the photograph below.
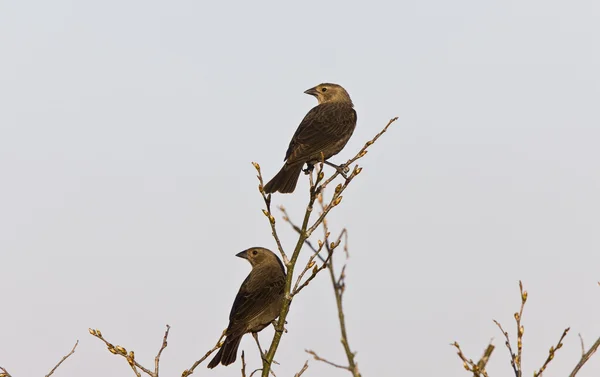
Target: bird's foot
x=274 y=323
x=309 y=169
x=341 y=169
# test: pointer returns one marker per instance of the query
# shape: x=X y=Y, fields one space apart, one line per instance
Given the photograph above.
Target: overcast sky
x=127 y=131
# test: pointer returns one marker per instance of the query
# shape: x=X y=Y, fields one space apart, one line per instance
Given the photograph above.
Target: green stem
x=338 y=299
x=279 y=328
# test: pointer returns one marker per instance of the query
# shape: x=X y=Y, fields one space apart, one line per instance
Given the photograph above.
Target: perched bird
x=325 y=129
x=257 y=303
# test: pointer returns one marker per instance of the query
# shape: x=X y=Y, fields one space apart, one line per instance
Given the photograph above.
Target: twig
x=304 y=368
x=287 y=219
x=510 y=351
x=515 y=360
x=319 y=358
x=63 y=359
x=551 y=353
x=244 y=365
x=267 y=212
x=162 y=347
x=585 y=357
x=478 y=369
x=187 y=372
x=118 y=350
x=4 y=372
x=362 y=152
x=337 y=282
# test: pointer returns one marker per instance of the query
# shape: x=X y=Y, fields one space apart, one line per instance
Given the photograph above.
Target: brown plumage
x=325 y=129
x=257 y=303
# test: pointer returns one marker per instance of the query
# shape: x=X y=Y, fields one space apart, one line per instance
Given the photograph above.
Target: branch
x=162 y=347
x=551 y=353
x=319 y=358
x=63 y=359
x=304 y=232
x=363 y=151
x=515 y=360
x=339 y=287
x=267 y=212
x=187 y=372
x=130 y=357
x=478 y=369
x=585 y=357
x=4 y=372
x=304 y=368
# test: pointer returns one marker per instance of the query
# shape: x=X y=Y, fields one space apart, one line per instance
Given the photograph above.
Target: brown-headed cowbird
x=325 y=129
x=257 y=303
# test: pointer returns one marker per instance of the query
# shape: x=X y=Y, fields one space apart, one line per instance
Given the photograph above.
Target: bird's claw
x=343 y=170
x=309 y=169
x=274 y=323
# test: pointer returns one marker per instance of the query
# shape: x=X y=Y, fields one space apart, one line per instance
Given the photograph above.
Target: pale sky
x=127 y=131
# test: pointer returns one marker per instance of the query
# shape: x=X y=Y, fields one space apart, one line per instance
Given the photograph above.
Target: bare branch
x=4 y=373
x=362 y=152
x=551 y=353
x=162 y=347
x=478 y=369
x=585 y=357
x=63 y=359
x=304 y=368
x=319 y=358
x=267 y=212
x=244 y=364
x=187 y=372
x=515 y=359
x=118 y=350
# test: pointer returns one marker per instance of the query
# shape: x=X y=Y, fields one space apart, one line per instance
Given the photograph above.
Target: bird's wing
x=252 y=300
x=323 y=125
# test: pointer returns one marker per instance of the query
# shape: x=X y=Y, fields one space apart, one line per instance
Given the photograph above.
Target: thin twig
x=118 y=350
x=585 y=357
x=319 y=358
x=478 y=369
x=267 y=212
x=315 y=271
x=515 y=359
x=4 y=373
x=287 y=219
x=187 y=372
x=551 y=353
x=339 y=287
x=63 y=359
x=304 y=368
x=362 y=151
x=244 y=365
x=162 y=347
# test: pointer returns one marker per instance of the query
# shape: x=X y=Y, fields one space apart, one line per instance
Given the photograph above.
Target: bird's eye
x=254 y=252
x=323 y=90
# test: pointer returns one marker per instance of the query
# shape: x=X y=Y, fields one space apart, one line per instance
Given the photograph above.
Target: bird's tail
x=228 y=352
x=285 y=181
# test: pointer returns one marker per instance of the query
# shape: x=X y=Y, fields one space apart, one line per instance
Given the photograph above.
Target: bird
x=257 y=304
x=323 y=133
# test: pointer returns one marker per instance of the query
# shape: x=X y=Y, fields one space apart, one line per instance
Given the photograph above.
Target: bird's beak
x=312 y=91
x=242 y=254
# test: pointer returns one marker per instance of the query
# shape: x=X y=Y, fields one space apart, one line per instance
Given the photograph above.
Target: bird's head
x=258 y=256
x=325 y=93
